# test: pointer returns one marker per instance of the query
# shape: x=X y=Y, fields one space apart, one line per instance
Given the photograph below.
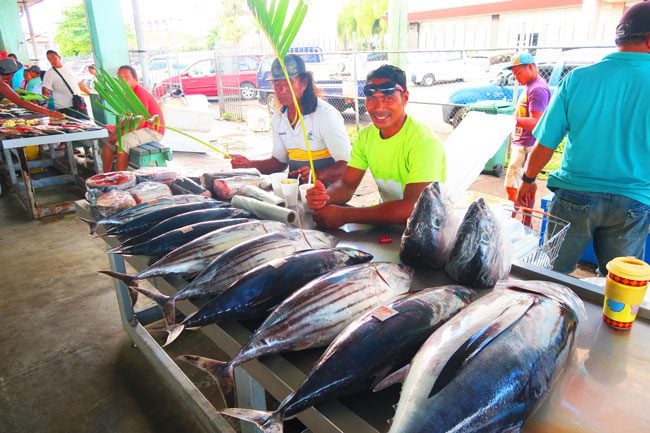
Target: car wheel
x=248 y=91
x=271 y=102
x=458 y=116
x=428 y=80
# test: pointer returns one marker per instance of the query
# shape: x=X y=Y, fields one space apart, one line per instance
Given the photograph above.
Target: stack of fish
x=475 y=253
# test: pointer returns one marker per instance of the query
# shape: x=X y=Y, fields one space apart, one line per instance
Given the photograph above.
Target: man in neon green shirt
x=403 y=155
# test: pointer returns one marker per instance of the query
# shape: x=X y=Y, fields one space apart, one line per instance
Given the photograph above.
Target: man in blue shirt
x=603 y=185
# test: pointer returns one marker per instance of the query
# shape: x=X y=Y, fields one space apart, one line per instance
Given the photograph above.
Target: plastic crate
x=495 y=165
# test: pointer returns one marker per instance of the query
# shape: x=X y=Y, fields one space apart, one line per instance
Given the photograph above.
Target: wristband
x=527 y=179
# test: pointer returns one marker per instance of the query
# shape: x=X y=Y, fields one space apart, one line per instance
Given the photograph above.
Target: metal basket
x=549 y=229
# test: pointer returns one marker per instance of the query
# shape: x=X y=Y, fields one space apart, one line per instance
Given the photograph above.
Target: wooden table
x=603 y=389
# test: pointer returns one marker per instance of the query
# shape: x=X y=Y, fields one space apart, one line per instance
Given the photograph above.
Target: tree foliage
x=233 y=24
x=73 y=35
x=366 y=19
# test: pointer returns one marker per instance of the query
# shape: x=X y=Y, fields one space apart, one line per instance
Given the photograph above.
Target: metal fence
x=441 y=83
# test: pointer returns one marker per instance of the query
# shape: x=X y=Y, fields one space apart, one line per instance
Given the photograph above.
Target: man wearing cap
x=603 y=185
x=403 y=155
x=7 y=68
x=530 y=106
x=328 y=138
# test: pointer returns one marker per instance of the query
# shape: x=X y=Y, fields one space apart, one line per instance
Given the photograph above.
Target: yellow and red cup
x=625 y=288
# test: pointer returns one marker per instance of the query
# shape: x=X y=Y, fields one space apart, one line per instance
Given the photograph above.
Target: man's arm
x=83 y=88
x=8 y=93
x=46 y=92
x=392 y=212
x=529 y=123
x=538 y=158
x=265 y=166
x=328 y=174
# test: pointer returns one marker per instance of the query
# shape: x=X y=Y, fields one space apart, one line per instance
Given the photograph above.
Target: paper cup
x=276 y=183
x=625 y=287
x=303 y=191
x=290 y=191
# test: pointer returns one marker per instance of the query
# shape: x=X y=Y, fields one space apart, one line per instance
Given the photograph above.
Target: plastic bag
x=155 y=174
x=115 y=201
x=225 y=188
x=104 y=182
x=146 y=191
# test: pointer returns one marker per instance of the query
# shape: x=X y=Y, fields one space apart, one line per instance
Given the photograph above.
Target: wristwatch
x=527 y=179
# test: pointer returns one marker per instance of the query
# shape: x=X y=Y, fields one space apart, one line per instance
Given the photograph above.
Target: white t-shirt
x=60 y=92
x=328 y=138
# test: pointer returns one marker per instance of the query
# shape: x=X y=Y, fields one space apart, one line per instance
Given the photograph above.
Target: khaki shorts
x=136 y=138
x=518 y=157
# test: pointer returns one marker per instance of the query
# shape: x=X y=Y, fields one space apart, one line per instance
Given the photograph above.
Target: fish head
x=352 y=256
x=317 y=238
x=395 y=275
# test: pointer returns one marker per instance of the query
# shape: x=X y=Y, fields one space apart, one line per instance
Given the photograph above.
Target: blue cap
x=520 y=59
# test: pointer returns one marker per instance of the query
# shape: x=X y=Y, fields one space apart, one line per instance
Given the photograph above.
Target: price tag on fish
x=186 y=229
x=383 y=313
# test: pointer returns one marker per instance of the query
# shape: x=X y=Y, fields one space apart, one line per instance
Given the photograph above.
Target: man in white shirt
x=54 y=86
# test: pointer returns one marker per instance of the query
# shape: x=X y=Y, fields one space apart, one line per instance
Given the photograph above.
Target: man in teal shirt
x=603 y=185
x=403 y=155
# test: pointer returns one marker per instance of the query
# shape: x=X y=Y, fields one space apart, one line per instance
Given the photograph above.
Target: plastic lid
x=629 y=267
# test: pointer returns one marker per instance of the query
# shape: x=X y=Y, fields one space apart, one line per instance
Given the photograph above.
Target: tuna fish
x=186 y=219
x=166 y=242
x=233 y=263
x=371 y=346
x=194 y=256
x=487 y=368
x=479 y=257
x=262 y=288
x=430 y=230
x=314 y=315
x=147 y=207
x=144 y=222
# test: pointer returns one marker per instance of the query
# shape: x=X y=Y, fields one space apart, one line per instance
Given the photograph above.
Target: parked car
x=426 y=69
x=502 y=88
x=239 y=75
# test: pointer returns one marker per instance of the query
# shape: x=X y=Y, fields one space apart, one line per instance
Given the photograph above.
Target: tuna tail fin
x=222 y=372
x=92 y=225
x=474 y=344
x=394 y=378
x=174 y=331
x=166 y=303
x=129 y=280
x=267 y=422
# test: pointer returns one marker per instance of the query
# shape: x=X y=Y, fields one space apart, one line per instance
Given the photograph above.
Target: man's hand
x=524 y=194
x=302 y=173
x=317 y=197
x=240 y=161
x=330 y=217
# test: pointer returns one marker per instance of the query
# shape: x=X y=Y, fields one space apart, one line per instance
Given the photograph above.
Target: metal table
x=603 y=389
x=25 y=186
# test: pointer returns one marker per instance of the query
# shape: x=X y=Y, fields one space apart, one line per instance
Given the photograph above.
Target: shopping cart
x=541 y=243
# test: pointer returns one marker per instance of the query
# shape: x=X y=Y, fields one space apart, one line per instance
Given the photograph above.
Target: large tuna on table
x=262 y=288
x=480 y=255
x=486 y=369
x=370 y=347
x=430 y=230
x=314 y=315
x=194 y=256
x=233 y=263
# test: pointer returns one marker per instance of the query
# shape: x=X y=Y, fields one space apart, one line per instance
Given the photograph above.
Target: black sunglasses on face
x=386 y=88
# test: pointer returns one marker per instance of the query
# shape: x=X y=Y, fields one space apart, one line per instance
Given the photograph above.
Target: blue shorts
x=617 y=224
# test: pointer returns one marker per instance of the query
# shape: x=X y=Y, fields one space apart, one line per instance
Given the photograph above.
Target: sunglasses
x=387 y=88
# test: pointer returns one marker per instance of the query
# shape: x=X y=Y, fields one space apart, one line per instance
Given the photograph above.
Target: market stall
x=58 y=172
x=601 y=390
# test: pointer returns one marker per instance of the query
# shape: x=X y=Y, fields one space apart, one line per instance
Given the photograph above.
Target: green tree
x=233 y=23
x=73 y=35
x=366 y=18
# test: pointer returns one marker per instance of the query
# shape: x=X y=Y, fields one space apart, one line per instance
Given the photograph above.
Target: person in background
x=17 y=78
x=603 y=184
x=54 y=86
x=403 y=155
x=23 y=84
x=90 y=80
x=146 y=131
x=34 y=83
x=7 y=68
x=328 y=138
x=530 y=107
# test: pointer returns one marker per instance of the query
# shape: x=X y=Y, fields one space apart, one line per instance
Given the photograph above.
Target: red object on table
x=385 y=239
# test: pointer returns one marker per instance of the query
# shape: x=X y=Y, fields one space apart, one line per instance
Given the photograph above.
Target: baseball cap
x=635 y=20
x=9 y=66
x=521 y=59
x=295 y=65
